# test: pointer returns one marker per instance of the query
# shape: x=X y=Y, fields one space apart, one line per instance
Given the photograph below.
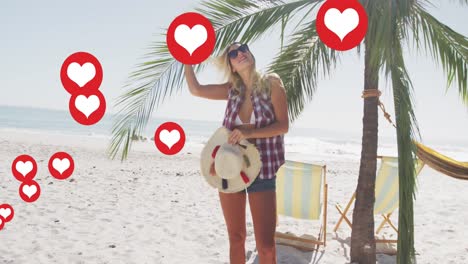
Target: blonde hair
x=260 y=83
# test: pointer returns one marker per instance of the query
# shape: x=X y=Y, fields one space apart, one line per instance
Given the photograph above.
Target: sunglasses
x=233 y=53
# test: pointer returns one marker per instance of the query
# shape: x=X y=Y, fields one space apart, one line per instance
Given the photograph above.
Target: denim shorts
x=261 y=185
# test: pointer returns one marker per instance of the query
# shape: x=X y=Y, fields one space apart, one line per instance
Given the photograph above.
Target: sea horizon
x=54 y=121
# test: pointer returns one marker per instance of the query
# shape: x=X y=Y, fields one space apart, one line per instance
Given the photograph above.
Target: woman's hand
x=239 y=134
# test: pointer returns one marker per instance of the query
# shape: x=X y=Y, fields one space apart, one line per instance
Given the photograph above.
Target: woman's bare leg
x=263 y=209
x=233 y=205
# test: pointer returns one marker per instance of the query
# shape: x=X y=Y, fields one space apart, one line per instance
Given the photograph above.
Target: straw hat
x=229 y=168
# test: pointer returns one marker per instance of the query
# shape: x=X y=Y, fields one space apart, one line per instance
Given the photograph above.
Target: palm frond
x=407 y=130
x=299 y=65
x=144 y=91
x=383 y=17
x=461 y=2
x=161 y=75
x=391 y=54
x=246 y=20
x=446 y=46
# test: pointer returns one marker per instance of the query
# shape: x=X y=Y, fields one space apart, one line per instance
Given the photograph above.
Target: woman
x=257 y=111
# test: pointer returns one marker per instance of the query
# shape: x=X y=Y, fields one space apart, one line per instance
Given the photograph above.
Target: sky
x=37 y=36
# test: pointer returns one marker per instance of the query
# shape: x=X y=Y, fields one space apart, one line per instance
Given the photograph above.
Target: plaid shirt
x=271 y=148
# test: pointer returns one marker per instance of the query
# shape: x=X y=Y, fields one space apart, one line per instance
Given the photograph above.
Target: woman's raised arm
x=209 y=91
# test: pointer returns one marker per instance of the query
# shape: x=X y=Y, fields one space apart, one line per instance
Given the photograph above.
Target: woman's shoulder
x=273 y=81
x=272 y=76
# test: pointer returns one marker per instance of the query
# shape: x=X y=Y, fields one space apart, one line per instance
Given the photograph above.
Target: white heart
x=5 y=212
x=61 y=165
x=29 y=190
x=341 y=23
x=169 y=138
x=24 y=167
x=81 y=75
x=87 y=105
x=190 y=39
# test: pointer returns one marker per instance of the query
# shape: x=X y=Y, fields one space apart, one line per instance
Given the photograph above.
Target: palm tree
x=300 y=63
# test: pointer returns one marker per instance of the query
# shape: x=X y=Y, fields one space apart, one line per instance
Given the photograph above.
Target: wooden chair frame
x=343 y=216
x=386 y=218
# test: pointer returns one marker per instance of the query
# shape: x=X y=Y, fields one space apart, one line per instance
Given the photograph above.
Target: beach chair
x=386 y=195
x=301 y=192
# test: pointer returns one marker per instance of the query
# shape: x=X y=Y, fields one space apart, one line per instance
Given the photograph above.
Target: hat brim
x=236 y=184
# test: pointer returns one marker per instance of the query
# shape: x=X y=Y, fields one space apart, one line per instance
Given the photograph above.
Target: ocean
x=306 y=142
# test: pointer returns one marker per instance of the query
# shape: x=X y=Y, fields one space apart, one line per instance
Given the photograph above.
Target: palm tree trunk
x=362 y=235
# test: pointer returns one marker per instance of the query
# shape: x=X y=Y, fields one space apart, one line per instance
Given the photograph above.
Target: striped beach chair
x=301 y=192
x=386 y=195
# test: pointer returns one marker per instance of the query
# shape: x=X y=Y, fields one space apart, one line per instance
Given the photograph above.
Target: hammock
x=432 y=158
x=442 y=163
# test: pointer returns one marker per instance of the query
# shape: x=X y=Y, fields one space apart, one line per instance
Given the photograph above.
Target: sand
x=158 y=209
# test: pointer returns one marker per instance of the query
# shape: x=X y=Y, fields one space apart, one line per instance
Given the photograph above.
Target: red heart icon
x=87 y=107
x=29 y=191
x=191 y=38
x=61 y=165
x=24 y=168
x=7 y=212
x=81 y=71
x=169 y=138
x=341 y=25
